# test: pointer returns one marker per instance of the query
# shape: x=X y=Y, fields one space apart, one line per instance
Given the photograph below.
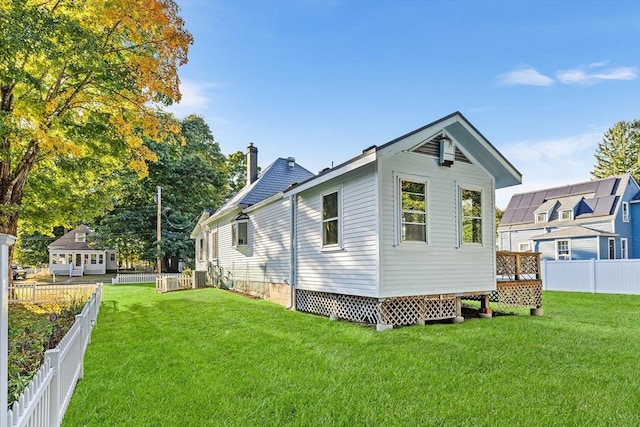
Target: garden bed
x=34 y=329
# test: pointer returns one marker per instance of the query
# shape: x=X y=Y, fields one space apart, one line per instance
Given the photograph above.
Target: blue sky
x=320 y=80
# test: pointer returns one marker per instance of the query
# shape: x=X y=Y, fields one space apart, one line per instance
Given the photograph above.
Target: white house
x=397 y=235
x=71 y=255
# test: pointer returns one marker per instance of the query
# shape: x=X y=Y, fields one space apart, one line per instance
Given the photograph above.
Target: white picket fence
x=174 y=283
x=38 y=294
x=46 y=398
x=134 y=278
x=607 y=276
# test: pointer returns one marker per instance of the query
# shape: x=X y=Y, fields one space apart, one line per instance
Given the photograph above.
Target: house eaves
x=456 y=125
x=575 y=231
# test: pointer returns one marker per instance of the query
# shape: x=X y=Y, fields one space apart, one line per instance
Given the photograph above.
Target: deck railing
x=517 y=266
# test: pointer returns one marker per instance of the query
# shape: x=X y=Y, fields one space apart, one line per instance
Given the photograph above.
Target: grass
x=210 y=357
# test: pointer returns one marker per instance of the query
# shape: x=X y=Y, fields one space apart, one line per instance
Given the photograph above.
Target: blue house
x=589 y=220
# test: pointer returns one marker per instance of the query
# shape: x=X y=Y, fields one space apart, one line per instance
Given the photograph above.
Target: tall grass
x=210 y=357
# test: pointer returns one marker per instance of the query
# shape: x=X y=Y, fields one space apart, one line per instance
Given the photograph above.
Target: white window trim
x=609 y=246
x=624 y=248
x=81 y=237
x=201 y=249
x=626 y=214
x=234 y=233
x=337 y=246
x=570 y=215
x=471 y=187
x=568 y=250
x=522 y=244
x=398 y=209
x=546 y=217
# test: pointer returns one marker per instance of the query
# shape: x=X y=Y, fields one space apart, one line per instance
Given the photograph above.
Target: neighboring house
x=396 y=235
x=71 y=255
x=589 y=220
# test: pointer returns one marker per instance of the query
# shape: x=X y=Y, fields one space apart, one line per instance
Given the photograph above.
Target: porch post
x=6 y=240
x=485 y=309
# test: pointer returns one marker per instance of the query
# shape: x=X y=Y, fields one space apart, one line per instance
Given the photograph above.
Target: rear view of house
x=397 y=235
x=588 y=220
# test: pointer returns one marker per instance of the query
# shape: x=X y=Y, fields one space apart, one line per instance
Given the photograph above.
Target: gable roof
x=588 y=200
x=68 y=240
x=455 y=125
x=275 y=178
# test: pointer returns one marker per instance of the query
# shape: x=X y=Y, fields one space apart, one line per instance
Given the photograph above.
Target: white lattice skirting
x=388 y=311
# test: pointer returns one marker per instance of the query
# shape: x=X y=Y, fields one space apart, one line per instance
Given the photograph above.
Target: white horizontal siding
x=353 y=269
x=266 y=258
x=441 y=266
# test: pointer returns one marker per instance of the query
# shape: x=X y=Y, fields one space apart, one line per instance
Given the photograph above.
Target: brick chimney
x=252 y=164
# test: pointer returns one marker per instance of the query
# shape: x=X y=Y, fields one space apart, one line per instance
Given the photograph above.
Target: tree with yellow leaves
x=82 y=82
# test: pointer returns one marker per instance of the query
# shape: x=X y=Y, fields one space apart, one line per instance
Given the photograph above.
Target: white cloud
x=581 y=76
x=525 y=76
x=550 y=163
x=196 y=98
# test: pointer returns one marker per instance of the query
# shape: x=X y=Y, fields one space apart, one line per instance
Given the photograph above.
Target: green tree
x=80 y=87
x=192 y=173
x=619 y=151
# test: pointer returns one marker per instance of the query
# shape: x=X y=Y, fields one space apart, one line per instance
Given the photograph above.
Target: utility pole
x=159 y=229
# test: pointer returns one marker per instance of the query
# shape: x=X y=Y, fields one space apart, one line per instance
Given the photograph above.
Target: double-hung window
x=331 y=219
x=563 y=250
x=413 y=211
x=471 y=216
x=624 y=248
x=625 y=212
x=213 y=245
x=240 y=231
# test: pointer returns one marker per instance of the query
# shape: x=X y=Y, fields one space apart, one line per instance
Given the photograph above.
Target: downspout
x=293 y=201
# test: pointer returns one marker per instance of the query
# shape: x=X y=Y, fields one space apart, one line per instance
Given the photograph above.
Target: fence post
x=54 y=388
x=33 y=293
x=543 y=268
x=80 y=318
x=5 y=241
x=592 y=275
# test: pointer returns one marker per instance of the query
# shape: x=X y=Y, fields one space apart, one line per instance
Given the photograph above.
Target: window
x=566 y=215
x=471 y=211
x=240 y=231
x=563 y=250
x=625 y=212
x=624 y=248
x=54 y=258
x=112 y=257
x=331 y=219
x=81 y=237
x=541 y=217
x=612 y=248
x=93 y=259
x=201 y=249
x=213 y=245
x=413 y=207
x=524 y=247
x=100 y=259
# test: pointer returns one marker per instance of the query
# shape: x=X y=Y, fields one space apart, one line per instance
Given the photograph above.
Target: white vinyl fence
x=133 y=278
x=38 y=294
x=46 y=398
x=607 y=276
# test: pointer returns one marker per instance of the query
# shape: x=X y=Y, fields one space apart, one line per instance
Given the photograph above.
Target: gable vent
x=432 y=148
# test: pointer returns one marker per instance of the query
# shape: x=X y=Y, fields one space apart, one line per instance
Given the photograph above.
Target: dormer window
x=81 y=237
x=566 y=215
x=541 y=217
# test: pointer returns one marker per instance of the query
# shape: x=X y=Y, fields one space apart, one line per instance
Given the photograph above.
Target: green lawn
x=210 y=357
